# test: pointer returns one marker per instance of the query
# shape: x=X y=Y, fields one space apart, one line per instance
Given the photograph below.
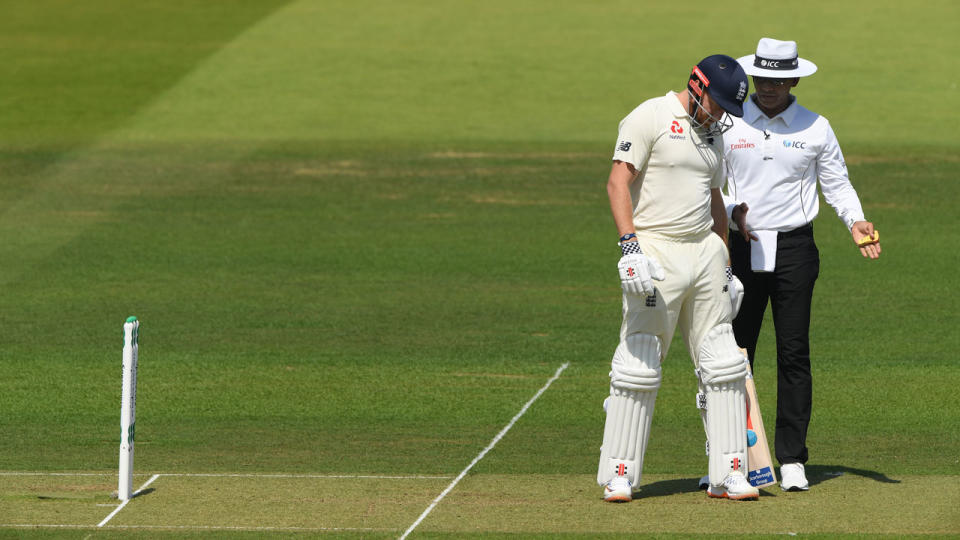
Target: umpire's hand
x=739 y=216
x=867 y=239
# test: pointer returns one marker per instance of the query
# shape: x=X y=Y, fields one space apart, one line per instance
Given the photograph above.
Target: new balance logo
x=652 y=300
x=624 y=146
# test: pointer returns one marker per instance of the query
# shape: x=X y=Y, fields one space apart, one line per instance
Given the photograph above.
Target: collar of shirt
x=678 y=110
x=752 y=113
x=675 y=106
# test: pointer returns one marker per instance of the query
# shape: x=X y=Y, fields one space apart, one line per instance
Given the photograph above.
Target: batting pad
x=726 y=429
x=722 y=370
x=720 y=359
x=634 y=379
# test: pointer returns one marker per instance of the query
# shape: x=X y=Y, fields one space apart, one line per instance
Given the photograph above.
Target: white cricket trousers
x=693 y=294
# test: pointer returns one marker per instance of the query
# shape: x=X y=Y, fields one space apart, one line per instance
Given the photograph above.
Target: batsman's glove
x=735 y=288
x=637 y=271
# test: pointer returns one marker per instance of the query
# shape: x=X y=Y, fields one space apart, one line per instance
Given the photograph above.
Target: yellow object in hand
x=867 y=240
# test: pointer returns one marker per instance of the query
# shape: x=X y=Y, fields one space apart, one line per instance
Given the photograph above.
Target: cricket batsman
x=664 y=190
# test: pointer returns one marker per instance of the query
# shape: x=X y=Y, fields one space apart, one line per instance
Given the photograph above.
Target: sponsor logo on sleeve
x=624 y=146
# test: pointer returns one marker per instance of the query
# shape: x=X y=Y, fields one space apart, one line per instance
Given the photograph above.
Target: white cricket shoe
x=735 y=486
x=704 y=482
x=793 y=477
x=618 y=490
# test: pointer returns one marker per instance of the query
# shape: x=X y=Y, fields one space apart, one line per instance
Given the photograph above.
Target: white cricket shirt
x=677 y=169
x=773 y=165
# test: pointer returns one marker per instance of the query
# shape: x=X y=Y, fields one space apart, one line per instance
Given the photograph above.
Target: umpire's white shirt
x=773 y=165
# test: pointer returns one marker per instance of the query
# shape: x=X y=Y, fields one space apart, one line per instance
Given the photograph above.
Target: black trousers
x=789 y=289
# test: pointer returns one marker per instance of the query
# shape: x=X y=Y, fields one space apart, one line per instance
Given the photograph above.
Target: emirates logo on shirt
x=741 y=144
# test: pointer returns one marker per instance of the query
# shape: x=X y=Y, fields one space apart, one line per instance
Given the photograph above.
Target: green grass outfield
x=361 y=236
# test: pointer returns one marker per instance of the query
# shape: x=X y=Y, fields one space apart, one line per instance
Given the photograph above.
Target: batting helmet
x=724 y=79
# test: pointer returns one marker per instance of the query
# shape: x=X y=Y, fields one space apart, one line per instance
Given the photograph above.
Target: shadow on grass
x=822 y=473
x=666 y=488
x=816 y=474
x=142 y=492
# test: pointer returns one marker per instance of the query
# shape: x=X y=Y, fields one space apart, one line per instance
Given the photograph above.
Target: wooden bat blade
x=760 y=473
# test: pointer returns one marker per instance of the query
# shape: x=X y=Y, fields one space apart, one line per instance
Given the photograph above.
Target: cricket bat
x=761 y=472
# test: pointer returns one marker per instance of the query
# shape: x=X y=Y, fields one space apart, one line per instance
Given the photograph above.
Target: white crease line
x=242 y=528
x=484 y=452
x=187 y=527
x=124 y=503
x=336 y=476
x=252 y=475
x=26 y=473
x=41 y=526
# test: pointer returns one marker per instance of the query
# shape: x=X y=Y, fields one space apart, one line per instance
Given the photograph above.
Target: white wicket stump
x=128 y=407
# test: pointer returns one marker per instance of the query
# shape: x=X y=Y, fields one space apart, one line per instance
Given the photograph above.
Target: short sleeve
x=636 y=136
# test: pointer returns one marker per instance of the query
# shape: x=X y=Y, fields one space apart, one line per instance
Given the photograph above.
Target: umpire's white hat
x=776 y=59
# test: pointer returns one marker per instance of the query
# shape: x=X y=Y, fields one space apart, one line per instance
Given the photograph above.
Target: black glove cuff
x=629 y=248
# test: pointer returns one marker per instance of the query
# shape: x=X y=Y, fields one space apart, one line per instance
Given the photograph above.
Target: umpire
x=775 y=156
